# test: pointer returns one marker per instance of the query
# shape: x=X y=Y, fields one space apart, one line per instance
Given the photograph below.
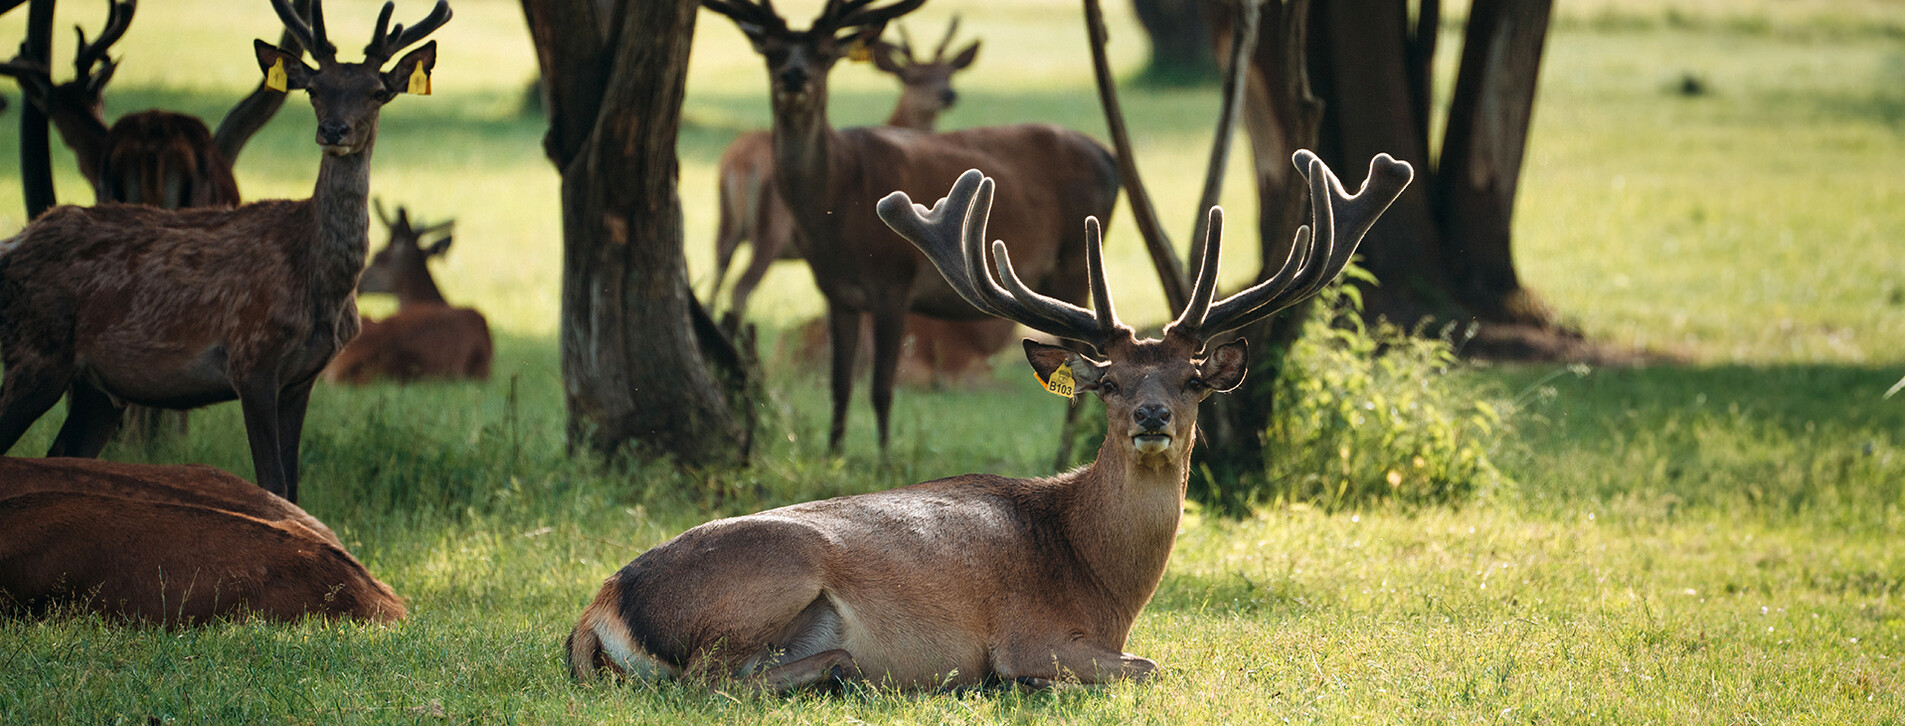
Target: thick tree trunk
x=1281 y=116
x=1441 y=254
x=1180 y=41
x=36 y=166
x=643 y=367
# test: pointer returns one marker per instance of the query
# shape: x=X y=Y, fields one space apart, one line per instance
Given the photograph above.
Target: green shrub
x=1371 y=416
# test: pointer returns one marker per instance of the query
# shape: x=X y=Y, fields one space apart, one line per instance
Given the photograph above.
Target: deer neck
x=341 y=202
x=803 y=158
x=1124 y=520
x=416 y=287
x=908 y=115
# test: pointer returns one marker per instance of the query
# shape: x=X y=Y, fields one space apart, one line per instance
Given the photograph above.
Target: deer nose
x=1152 y=417
x=949 y=97
x=333 y=132
x=793 y=78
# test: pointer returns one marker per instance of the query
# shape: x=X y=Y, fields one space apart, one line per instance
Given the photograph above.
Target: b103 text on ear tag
x=419 y=82
x=1061 y=383
x=275 y=78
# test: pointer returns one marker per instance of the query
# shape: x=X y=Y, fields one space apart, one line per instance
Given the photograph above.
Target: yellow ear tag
x=419 y=82
x=275 y=78
x=859 y=52
x=1060 y=384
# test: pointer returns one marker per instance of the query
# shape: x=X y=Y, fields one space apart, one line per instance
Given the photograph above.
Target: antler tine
x=939 y=54
x=1338 y=223
x=742 y=11
x=856 y=13
x=315 y=42
x=383 y=46
x=118 y=19
x=378 y=204
x=1197 y=308
x=952 y=235
x=905 y=45
x=378 y=36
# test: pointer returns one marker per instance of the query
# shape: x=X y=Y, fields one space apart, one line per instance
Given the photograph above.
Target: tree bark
x=1180 y=41
x=643 y=367
x=36 y=165
x=1281 y=116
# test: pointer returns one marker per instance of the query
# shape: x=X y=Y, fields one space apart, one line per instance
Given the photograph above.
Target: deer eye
x=1195 y=384
x=1107 y=388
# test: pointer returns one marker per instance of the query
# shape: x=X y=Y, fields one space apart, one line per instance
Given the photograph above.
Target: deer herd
x=172 y=294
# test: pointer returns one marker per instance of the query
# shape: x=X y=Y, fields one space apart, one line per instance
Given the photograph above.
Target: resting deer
x=170 y=545
x=976 y=578
x=179 y=309
x=426 y=337
x=830 y=177
x=154 y=157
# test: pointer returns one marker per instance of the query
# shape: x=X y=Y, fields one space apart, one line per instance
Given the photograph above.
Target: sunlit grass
x=1710 y=542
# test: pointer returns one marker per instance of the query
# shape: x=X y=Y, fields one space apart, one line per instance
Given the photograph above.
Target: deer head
x=1150 y=387
x=401 y=265
x=348 y=96
x=798 y=61
x=927 y=81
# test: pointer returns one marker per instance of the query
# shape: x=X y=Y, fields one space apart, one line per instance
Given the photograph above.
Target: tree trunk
x=1281 y=116
x=643 y=367
x=1441 y=254
x=36 y=165
x=1180 y=41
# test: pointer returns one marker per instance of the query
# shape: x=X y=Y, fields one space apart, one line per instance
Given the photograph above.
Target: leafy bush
x=1366 y=416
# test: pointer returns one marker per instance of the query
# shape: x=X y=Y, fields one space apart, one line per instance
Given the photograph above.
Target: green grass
x=1711 y=542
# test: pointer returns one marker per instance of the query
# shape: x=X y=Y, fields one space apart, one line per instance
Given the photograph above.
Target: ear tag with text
x=275 y=78
x=859 y=52
x=419 y=81
x=1060 y=383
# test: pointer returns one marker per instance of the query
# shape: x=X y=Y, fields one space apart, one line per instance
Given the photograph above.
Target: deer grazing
x=426 y=337
x=976 y=579
x=829 y=179
x=182 y=308
x=173 y=545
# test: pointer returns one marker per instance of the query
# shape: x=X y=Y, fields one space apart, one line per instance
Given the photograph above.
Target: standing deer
x=750 y=205
x=171 y=545
x=830 y=178
x=976 y=578
x=153 y=157
x=426 y=337
x=183 y=308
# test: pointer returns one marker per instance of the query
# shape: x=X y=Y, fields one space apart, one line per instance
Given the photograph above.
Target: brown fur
x=830 y=179
x=171 y=546
x=426 y=337
x=179 y=309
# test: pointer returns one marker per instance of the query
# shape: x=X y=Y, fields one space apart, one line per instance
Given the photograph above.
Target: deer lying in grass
x=179 y=309
x=976 y=578
x=426 y=337
x=173 y=545
x=830 y=177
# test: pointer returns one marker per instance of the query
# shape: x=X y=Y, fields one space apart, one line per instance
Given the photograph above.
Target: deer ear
x=1223 y=370
x=885 y=57
x=283 y=71
x=966 y=57
x=1048 y=358
x=441 y=246
x=412 y=72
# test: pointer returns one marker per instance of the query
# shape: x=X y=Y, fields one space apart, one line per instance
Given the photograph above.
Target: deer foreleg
x=292 y=403
x=889 y=332
x=844 y=328
x=91 y=419
x=832 y=665
x=258 y=397
x=1078 y=660
x=27 y=393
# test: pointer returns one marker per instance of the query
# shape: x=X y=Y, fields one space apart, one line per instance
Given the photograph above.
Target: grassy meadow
x=1710 y=541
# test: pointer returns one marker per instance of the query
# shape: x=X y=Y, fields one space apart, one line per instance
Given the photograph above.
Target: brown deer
x=751 y=207
x=976 y=578
x=173 y=545
x=153 y=157
x=829 y=178
x=426 y=337
x=182 y=308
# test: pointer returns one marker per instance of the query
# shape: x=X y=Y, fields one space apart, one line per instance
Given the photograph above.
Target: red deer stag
x=976 y=578
x=171 y=545
x=182 y=308
x=153 y=157
x=751 y=208
x=426 y=337
x=830 y=178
